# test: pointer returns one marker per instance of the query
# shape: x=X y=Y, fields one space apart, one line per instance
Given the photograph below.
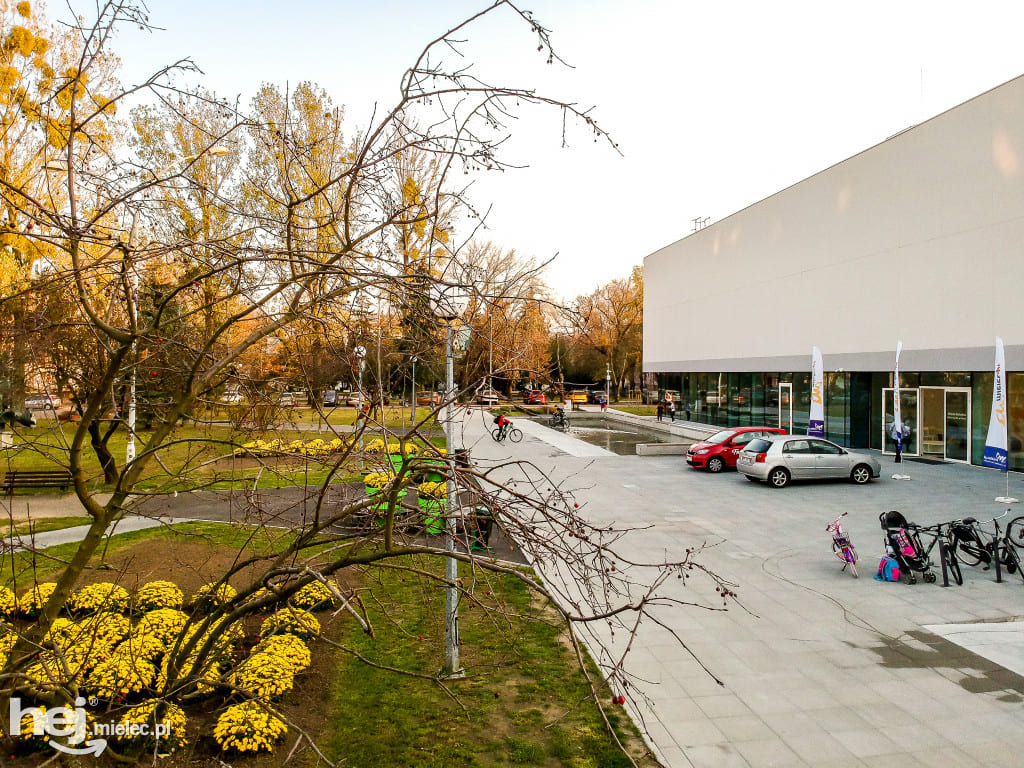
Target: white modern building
x=919 y=239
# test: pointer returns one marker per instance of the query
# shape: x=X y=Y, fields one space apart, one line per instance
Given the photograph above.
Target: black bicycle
x=1004 y=547
x=512 y=433
x=971 y=548
x=558 y=419
x=944 y=532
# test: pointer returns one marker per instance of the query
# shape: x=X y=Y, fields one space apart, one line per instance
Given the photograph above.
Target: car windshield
x=720 y=437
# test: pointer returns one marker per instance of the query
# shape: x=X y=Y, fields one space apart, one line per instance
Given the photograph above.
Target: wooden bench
x=25 y=478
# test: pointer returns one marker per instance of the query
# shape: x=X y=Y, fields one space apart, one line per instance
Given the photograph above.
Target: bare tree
x=180 y=272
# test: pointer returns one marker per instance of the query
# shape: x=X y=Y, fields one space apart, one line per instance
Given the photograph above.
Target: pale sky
x=715 y=105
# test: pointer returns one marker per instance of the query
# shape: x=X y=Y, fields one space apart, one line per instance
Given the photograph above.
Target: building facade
x=919 y=239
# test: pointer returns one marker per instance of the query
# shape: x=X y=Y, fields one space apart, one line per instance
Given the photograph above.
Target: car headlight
x=701 y=452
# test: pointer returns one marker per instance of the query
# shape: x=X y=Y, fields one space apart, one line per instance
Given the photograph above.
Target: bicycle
x=1004 y=549
x=944 y=532
x=512 y=433
x=842 y=547
x=970 y=548
x=558 y=419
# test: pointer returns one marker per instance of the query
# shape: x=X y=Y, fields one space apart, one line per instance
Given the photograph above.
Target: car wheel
x=778 y=477
x=861 y=474
x=715 y=464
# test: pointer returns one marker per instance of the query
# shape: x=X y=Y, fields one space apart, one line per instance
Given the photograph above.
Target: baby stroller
x=903 y=543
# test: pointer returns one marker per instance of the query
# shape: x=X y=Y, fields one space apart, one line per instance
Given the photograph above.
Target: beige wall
x=920 y=238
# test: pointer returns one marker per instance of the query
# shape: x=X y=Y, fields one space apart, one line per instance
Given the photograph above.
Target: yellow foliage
x=21 y=40
x=24 y=9
x=9 y=76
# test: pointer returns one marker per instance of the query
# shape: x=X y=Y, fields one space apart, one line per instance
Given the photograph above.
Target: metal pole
x=414 y=389
x=451 y=625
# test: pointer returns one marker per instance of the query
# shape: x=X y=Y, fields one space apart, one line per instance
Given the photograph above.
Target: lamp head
x=448 y=302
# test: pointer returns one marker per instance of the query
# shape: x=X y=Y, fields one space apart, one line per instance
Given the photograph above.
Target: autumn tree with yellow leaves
x=163 y=255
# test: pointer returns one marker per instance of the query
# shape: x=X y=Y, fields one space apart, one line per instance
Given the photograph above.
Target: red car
x=721 y=450
x=535 y=397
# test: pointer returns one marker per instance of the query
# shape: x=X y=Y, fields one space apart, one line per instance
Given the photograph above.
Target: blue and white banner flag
x=816 y=419
x=995 y=444
x=897 y=414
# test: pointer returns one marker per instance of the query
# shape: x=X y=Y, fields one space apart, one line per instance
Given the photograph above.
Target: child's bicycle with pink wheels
x=842 y=547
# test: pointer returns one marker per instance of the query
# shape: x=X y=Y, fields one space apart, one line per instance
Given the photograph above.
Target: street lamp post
x=360 y=355
x=449 y=304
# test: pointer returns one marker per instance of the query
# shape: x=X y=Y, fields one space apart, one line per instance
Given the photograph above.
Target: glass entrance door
x=946 y=423
x=786 y=407
x=908 y=413
x=958 y=424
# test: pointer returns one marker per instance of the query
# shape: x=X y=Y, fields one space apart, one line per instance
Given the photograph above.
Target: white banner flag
x=995 y=444
x=816 y=419
x=897 y=415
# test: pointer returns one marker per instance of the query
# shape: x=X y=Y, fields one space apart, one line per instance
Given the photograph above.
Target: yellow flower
x=173 y=721
x=248 y=727
x=30 y=605
x=315 y=596
x=158 y=594
x=99 y=597
x=292 y=621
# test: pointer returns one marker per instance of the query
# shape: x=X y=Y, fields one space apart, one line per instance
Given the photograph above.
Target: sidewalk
x=818 y=668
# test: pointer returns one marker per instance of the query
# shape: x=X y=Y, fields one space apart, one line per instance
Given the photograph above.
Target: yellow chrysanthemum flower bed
x=315 y=596
x=213 y=595
x=375 y=446
x=164 y=623
x=120 y=676
x=263 y=675
x=51 y=671
x=143 y=718
x=8 y=602
x=288 y=648
x=99 y=597
x=159 y=594
x=30 y=604
x=248 y=727
x=208 y=675
x=434 y=490
x=378 y=480
x=292 y=621
x=143 y=647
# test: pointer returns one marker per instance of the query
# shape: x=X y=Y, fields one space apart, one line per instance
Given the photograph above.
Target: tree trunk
x=99 y=445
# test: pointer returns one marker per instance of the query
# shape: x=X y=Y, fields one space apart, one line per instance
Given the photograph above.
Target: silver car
x=779 y=459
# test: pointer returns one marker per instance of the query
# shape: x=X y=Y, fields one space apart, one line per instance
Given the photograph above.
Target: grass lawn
x=196 y=456
x=41 y=525
x=638 y=410
x=522 y=703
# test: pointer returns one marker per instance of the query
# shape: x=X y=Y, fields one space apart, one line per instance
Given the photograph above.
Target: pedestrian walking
x=896 y=432
x=687 y=410
x=670 y=406
x=661 y=411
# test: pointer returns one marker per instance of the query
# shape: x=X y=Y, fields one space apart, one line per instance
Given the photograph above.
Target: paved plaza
x=818 y=668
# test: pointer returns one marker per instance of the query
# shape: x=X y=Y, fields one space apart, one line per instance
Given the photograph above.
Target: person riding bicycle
x=504 y=424
x=559 y=417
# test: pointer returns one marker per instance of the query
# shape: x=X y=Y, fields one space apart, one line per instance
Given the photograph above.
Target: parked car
x=777 y=460
x=535 y=397
x=487 y=397
x=330 y=398
x=231 y=398
x=721 y=450
x=428 y=398
x=595 y=396
x=577 y=396
x=286 y=400
x=42 y=402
